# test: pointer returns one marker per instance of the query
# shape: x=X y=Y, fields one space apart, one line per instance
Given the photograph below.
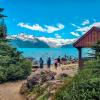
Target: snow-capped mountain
x=31 y=41
x=56 y=42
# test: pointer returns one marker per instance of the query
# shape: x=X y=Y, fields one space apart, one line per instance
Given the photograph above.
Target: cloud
x=97 y=24
x=57 y=36
x=84 y=29
x=46 y=28
x=21 y=36
x=85 y=22
x=35 y=27
x=74 y=25
x=61 y=26
x=75 y=34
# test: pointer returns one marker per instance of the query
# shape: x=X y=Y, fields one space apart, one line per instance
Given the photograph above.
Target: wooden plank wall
x=89 y=39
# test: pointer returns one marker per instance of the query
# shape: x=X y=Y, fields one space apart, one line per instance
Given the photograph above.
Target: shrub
x=13 y=65
x=84 y=86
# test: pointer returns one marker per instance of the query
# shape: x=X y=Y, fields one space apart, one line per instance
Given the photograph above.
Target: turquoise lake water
x=52 y=52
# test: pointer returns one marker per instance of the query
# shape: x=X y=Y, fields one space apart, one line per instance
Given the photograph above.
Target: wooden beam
x=80 y=57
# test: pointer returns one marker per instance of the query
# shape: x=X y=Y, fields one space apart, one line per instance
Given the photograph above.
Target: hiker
x=49 y=62
x=59 y=60
x=41 y=62
x=63 y=61
x=70 y=58
x=65 y=56
x=56 y=63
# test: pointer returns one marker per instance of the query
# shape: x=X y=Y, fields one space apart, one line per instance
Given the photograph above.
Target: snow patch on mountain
x=52 y=42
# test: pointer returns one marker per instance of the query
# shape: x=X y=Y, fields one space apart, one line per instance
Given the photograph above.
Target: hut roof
x=89 y=38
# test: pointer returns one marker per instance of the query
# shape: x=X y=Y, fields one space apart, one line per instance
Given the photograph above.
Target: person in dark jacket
x=41 y=62
x=56 y=63
x=59 y=60
x=49 y=62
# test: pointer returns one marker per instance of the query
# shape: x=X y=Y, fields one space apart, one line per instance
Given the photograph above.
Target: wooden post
x=80 y=57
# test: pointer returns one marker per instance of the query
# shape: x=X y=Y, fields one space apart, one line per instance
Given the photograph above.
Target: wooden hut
x=87 y=41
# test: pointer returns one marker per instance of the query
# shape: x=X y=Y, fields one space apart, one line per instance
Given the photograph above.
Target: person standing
x=41 y=62
x=56 y=63
x=49 y=62
x=65 y=56
x=59 y=60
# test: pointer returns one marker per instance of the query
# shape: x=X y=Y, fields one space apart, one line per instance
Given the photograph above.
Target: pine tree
x=3 y=29
x=96 y=48
x=13 y=65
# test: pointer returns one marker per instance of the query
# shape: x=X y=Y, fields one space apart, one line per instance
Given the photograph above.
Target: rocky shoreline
x=43 y=83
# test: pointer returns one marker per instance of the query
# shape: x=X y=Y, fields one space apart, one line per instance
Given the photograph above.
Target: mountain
x=35 y=43
x=23 y=40
x=67 y=46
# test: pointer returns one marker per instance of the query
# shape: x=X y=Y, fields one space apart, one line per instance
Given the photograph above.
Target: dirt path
x=10 y=91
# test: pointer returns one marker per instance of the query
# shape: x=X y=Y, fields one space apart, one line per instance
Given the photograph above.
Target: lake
x=52 y=52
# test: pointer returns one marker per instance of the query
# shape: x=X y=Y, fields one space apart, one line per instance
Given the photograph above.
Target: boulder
x=33 y=80
x=47 y=75
x=37 y=79
x=24 y=88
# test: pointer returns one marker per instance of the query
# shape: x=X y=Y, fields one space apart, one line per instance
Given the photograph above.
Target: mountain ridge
x=23 y=40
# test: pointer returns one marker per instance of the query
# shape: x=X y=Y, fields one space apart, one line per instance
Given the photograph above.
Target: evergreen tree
x=3 y=28
x=96 y=48
x=13 y=65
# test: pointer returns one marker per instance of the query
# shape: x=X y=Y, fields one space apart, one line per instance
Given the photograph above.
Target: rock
x=47 y=75
x=35 y=62
x=24 y=88
x=61 y=76
x=34 y=69
x=33 y=80
x=40 y=77
x=31 y=97
x=37 y=79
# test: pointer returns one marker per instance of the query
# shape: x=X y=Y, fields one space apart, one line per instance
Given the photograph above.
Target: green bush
x=3 y=76
x=13 y=65
x=84 y=86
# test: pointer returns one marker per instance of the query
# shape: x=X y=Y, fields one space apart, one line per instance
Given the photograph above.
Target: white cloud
x=97 y=24
x=85 y=22
x=35 y=27
x=74 y=25
x=83 y=29
x=57 y=36
x=51 y=29
x=61 y=26
x=75 y=34
x=46 y=28
x=22 y=36
x=86 y=26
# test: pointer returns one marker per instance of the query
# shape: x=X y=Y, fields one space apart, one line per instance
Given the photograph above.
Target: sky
x=59 y=19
